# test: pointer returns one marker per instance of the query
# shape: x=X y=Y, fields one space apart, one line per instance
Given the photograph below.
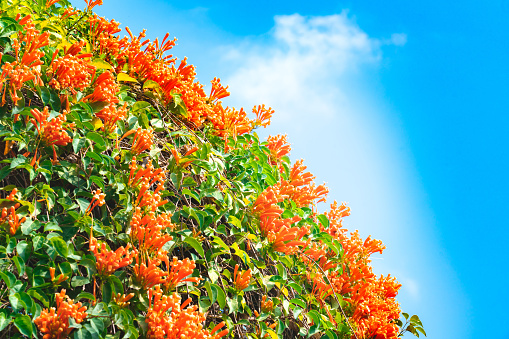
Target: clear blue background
x=414 y=136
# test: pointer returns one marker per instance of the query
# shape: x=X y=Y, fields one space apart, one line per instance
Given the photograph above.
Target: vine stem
x=333 y=291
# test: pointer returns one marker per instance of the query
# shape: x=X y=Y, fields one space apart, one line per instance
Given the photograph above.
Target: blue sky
x=401 y=107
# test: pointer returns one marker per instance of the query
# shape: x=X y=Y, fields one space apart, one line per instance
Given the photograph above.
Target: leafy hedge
x=136 y=205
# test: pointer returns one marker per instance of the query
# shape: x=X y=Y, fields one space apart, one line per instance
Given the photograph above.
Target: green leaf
x=107 y=291
x=78 y=143
x=420 y=329
x=98 y=140
x=83 y=203
x=235 y=221
x=323 y=220
x=331 y=335
x=59 y=245
x=79 y=281
x=4 y=321
x=191 y=194
x=140 y=105
x=20 y=265
x=52 y=227
x=8 y=278
x=196 y=245
x=39 y=296
x=233 y=305
x=85 y=295
x=24 y=324
x=150 y=84
x=298 y=302
x=221 y=296
x=143 y=120
x=116 y=284
x=18 y=161
x=23 y=249
x=296 y=287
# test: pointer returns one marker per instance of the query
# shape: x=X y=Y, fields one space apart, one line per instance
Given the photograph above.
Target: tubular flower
x=60 y=278
x=144 y=175
x=146 y=230
x=13 y=220
x=9 y=214
x=218 y=91
x=97 y=199
x=321 y=289
x=300 y=187
x=51 y=132
x=68 y=12
x=179 y=272
x=278 y=146
x=178 y=158
x=148 y=199
x=105 y=89
x=167 y=317
x=142 y=140
x=108 y=261
x=71 y=71
x=50 y=3
x=54 y=323
x=25 y=67
x=273 y=225
x=241 y=280
x=92 y=3
x=285 y=240
x=318 y=252
x=110 y=115
x=266 y=306
x=147 y=273
x=122 y=300
x=266 y=202
x=230 y=122
x=376 y=309
x=335 y=216
x=263 y=116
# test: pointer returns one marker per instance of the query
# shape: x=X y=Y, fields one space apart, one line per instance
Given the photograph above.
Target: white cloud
x=296 y=66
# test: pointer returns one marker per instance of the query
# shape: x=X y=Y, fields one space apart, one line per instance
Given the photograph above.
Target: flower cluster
x=142 y=141
x=71 y=71
x=146 y=61
x=167 y=317
x=51 y=131
x=147 y=230
x=263 y=116
x=54 y=323
x=179 y=272
x=9 y=214
x=105 y=89
x=26 y=67
x=107 y=261
x=281 y=236
x=241 y=280
x=372 y=299
x=278 y=146
x=300 y=186
x=97 y=200
x=266 y=305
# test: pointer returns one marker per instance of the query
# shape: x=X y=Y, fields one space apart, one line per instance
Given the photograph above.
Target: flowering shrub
x=136 y=205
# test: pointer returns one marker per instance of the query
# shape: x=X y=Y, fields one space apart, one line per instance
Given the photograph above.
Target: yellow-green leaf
x=97 y=123
x=150 y=84
x=101 y=64
x=125 y=77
